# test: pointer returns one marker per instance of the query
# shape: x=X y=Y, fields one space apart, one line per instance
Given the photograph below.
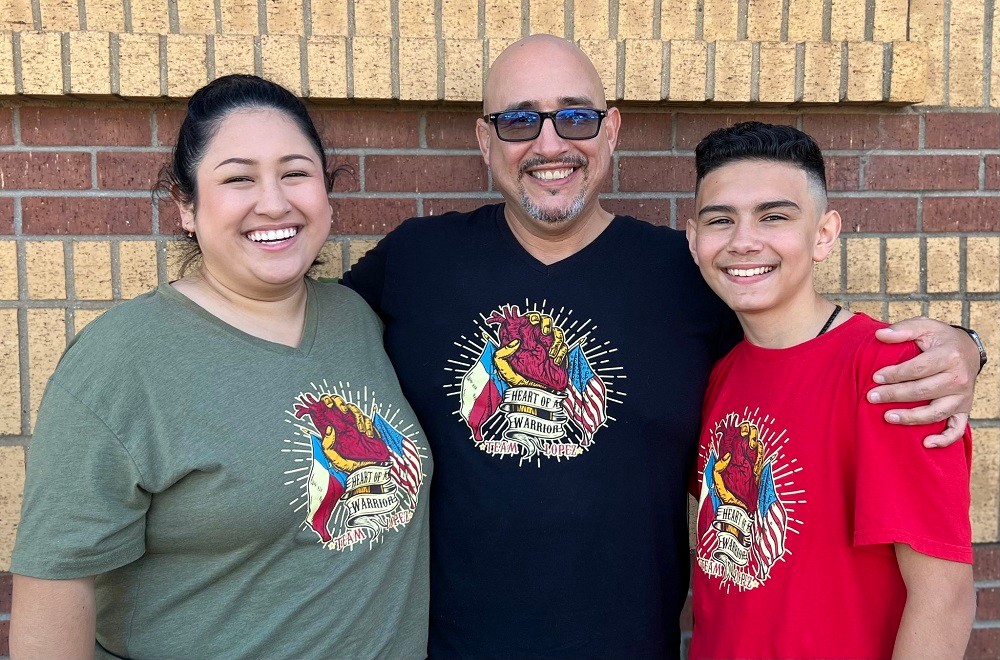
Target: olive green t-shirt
x=235 y=497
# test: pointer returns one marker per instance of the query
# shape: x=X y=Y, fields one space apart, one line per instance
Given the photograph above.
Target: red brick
x=170 y=218
x=440 y=206
x=6 y=216
x=653 y=210
x=6 y=126
x=85 y=126
x=6 y=580
x=656 y=174
x=686 y=620
x=691 y=128
x=988 y=604
x=962 y=130
x=134 y=170
x=922 y=173
x=987 y=562
x=384 y=129
x=876 y=214
x=644 y=131
x=686 y=210
x=451 y=130
x=168 y=124
x=348 y=178
x=353 y=215
x=86 y=215
x=425 y=173
x=842 y=172
x=993 y=172
x=984 y=644
x=44 y=170
x=962 y=214
x=867 y=131
x=4 y=638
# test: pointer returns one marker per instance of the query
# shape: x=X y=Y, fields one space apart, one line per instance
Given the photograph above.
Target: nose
x=272 y=201
x=744 y=238
x=548 y=142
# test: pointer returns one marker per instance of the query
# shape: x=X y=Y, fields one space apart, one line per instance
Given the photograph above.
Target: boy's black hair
x=754 y=140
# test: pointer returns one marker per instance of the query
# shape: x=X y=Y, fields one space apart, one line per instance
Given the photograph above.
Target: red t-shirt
x=803 y=490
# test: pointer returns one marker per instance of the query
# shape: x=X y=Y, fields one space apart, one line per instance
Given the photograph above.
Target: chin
x=552 y=216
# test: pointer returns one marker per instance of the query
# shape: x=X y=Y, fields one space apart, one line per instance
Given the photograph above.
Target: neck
x=790 y=325
x=554 y=242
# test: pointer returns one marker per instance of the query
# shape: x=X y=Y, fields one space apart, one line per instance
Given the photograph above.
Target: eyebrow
x=563 y=102
x=250 y=161
x=760 y=208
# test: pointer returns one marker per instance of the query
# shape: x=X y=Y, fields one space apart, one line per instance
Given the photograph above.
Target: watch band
x=979 y=344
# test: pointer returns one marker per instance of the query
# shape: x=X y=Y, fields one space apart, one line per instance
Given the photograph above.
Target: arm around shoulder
x=52 y=618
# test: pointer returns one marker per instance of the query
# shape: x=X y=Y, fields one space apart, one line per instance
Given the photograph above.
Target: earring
x=190 y=234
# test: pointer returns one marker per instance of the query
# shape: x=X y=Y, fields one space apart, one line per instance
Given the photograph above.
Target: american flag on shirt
x=586 y=400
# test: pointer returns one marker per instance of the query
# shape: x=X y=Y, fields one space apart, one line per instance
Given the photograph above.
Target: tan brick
x=635 y=19
x=187 y=64
x=688 y=70
x=333 y=262
x=460 y=19
x=863 y=265
x=418 y=70
x=902 y=265
x=909 y=73
x=46 y=343
x=946 y=311
x=59 y=14
x=105 y=15
x=16 y=15
x=872 y=308
x=139 y=65
x=357 y=248
x=679 y=19
x=233 y=54
x=890 y=20
x=46 y=267
x=864 y=71
x=503 y=18
x=903 y=309
x=177 y=253
x=136 y=267
x=547 y=17
x=150 y=17
x=90 y=63
x=720 y=20
x=762 y=18
x=416 y=19
x=92 y=270
x=995 y=48
x=777 y=72
x=41 y=63
x=592 y=20
x=329 y=17
x=241 y=16
x=821 y=80
x=927 y=26
x=285 y=16
x=10 y=374
x=847 y=20
x=733 y=62
x=985 y=318
x=463 y=70
x=604 y=55
x=7 y=87
x=372 y=72
x=965 y=55
x=8 y=270
x=805 y=20
x=327 y=58
x=644 y=69
x=985 y=484
x=83 y=317
x=982 y=264
x=281 y=60
x=372 y=18
x=11 y=487
x=942 y=265
x=826 y=274
x=196 y=16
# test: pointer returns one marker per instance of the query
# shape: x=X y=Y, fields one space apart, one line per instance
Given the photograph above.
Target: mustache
x=536 y=161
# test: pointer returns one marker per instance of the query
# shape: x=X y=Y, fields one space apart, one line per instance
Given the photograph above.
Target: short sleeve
x=84 y=508
x=367 y=276
x=906 y=493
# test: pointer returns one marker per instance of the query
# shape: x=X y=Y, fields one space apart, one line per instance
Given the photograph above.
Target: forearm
x=52 y=618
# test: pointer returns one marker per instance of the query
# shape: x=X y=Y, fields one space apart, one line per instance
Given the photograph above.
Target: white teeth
x=270 y=235
x=552 y=175
x=749 y=272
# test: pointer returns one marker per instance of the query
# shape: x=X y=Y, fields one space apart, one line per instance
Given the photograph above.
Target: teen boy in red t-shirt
x=823 y=531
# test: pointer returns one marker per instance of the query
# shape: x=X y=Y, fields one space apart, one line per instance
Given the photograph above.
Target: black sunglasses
x=570 y=123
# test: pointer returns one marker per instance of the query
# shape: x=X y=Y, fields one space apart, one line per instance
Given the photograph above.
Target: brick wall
x=918 y=190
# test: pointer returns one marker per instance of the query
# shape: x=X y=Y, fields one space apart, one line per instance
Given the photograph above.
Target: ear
x=612 y=123
x=484 y=133
x=692 y=236
x=187 y=215
x=826 y=235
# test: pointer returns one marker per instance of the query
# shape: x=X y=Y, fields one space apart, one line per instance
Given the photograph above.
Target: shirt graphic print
x=536 y=383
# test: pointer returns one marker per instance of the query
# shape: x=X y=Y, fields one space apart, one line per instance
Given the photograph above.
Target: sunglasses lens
x=518 y=125
x=577 y=123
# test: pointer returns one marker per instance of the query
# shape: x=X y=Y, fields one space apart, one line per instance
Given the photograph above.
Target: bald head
x=537 y=67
